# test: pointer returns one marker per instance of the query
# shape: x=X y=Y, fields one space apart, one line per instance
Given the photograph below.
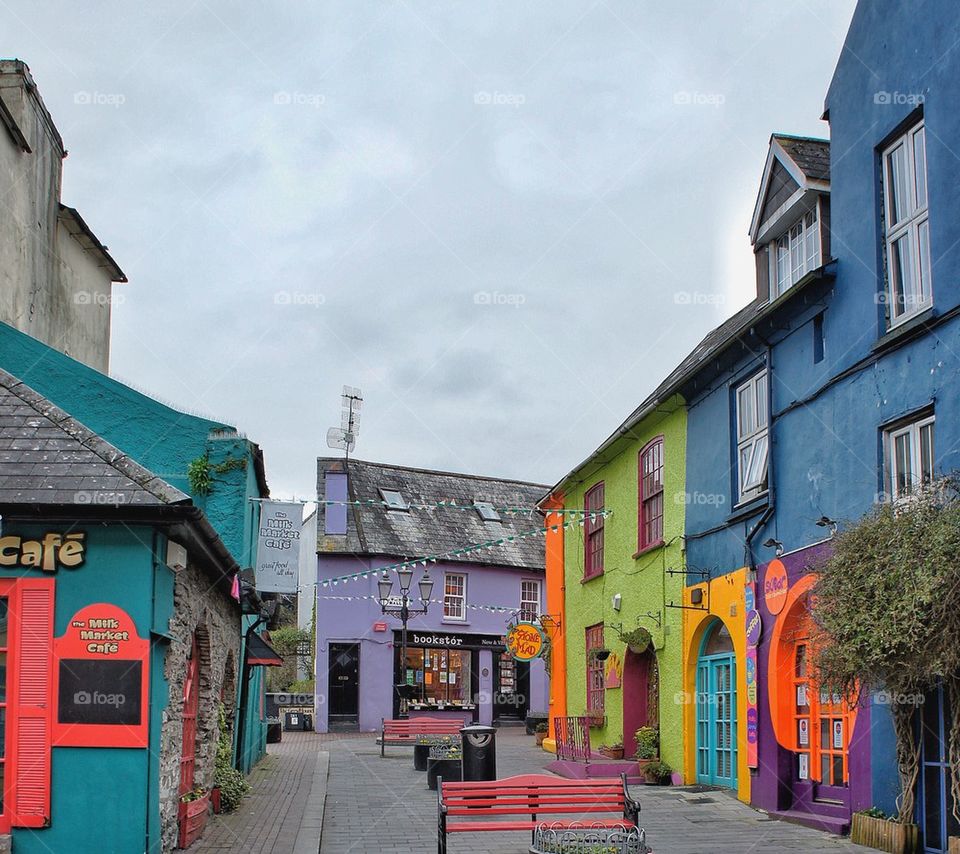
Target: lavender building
x=456 y=661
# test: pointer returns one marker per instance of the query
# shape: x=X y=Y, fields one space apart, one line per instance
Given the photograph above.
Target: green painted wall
x=100 y=799
x=164 y=440
x=641 y=581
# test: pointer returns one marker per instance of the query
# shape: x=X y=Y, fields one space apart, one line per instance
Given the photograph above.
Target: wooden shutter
x=33 y=676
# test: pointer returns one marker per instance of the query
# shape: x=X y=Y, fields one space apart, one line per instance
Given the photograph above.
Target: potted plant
x=612 y=751
x=648 y=746
x=657 y=773
x=638 y=640
x=875 y=829
x=541 y=732
x=192 y=814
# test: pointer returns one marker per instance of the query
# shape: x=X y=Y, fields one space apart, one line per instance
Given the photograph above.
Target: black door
x=511 y=687
x=344 y=685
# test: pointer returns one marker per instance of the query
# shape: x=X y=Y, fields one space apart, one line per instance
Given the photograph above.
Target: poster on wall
x=101 y=679
x=838 y=735
x=803 y=734
x=752 y=629
x=278 y=547
x=804 y=770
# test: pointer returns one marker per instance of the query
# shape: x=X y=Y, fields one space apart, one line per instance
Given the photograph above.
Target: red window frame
x=593 y=533
x=650 y=495
x=593 y=639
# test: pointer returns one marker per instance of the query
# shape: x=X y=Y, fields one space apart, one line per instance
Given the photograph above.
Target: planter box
x=540 y=737
x=611 y=753
x=890 y=836
x=192 y=821
x=445 y=769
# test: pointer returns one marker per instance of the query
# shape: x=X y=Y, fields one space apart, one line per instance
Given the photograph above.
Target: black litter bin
x=479 y=752
x=293 y=721
x=274 y=731
x=308 y=722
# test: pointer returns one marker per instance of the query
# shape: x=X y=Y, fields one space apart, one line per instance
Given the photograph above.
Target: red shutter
x=33 y=675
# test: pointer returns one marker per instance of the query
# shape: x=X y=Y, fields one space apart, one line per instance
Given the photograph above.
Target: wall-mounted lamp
x=696 y=596
x=616 y=601
x=827 y=522
x=774 y=544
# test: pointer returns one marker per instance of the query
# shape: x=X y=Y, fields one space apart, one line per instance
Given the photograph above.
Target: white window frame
x=912 y=433
x=908 y=230
x=753 y=441
x=526 y=601
x=457 y=613
x=394 y=499
x=801 y=246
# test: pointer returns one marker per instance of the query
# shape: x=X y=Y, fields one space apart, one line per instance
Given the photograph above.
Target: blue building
x=836 y=388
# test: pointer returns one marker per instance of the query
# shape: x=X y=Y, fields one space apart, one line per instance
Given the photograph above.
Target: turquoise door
x=717 y=710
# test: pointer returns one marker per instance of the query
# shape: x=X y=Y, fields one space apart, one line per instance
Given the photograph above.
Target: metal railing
x=573 y=738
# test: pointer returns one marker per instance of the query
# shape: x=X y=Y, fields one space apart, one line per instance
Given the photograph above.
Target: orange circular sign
x=525 y=641
x=775 y=586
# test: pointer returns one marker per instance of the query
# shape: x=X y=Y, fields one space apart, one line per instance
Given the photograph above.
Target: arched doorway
x=716 y=699
x=641 y=696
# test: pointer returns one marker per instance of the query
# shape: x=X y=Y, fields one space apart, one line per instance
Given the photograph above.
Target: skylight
x=486 y=511
x=394 y=499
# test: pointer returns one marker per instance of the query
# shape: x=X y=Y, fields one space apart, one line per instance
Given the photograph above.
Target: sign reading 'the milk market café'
x=278 y=547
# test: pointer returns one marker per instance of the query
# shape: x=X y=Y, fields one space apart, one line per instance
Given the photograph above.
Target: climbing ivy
x=200 y=472
x=887 y=604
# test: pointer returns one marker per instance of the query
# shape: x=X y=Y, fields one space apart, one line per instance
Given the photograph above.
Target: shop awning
x=259 y=652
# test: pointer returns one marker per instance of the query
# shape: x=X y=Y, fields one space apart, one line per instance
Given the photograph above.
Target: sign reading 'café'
x=48 y=552
x=101 y=675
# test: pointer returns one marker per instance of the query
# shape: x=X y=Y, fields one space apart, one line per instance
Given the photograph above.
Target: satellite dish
x=344 y=437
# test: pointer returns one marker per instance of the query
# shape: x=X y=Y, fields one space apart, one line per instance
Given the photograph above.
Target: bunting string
x=495 y=609
x=446 y=504
x=476 y=547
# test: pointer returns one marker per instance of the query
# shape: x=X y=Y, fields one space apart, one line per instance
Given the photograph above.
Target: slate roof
x=48 y=457
x=811 y=155
x=376 y=530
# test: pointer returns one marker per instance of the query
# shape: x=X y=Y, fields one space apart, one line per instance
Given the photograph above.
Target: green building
x=620 y=577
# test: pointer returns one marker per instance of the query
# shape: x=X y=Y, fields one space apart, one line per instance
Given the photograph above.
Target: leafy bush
x=637 y=639
x=231 y=782
x=873 y=812
x=657 y=771
x=543 y=726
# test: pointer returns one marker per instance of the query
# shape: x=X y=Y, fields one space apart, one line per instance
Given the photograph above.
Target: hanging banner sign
x=278 y=547
x=752 y=627
x=525 y=641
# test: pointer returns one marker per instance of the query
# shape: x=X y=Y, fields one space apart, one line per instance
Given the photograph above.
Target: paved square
x=384 y=806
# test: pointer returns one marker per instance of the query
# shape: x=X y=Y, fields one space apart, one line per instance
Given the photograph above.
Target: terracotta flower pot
x=192 y=820
x=540 y=736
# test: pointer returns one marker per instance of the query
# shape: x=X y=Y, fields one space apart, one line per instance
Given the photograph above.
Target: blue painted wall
x=100 y=797
x=827 y=449
x=165 y=441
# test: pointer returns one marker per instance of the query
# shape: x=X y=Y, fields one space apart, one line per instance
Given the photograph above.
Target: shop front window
x=442 y=677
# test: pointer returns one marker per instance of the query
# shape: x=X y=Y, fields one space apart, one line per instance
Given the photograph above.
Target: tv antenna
x=344 y=437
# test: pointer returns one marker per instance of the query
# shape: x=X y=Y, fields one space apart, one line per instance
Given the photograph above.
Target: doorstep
x=596 y=768
x=829 y=824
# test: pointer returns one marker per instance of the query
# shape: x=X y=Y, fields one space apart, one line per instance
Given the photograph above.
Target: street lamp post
x=404 y=612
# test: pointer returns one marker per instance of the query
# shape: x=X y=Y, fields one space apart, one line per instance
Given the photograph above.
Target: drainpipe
x=749 y=557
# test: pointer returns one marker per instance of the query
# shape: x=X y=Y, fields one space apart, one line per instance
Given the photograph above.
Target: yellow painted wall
x=725 y=600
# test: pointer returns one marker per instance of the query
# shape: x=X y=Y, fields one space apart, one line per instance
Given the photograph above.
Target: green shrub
x=231 y=782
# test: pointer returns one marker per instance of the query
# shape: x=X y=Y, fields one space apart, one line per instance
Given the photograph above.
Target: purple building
x=373 y=516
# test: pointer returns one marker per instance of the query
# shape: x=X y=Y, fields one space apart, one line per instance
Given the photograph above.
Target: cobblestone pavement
x=384 y=806
x=283 y=814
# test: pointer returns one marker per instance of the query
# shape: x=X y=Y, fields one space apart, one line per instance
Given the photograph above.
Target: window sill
x=587 y=578
x=451 y=622
x=749 y=507
x=914 y=325
x=648 y=548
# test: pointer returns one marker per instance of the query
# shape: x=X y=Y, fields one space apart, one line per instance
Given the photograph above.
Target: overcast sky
x=505 y=222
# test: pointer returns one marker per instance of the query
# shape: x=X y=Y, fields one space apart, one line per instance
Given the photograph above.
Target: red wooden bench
x=406 y=731
x=521 y=803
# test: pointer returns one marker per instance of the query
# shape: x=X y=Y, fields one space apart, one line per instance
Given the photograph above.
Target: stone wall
x=215 y=617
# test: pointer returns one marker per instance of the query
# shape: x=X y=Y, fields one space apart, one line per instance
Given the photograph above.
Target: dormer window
x=394 y=499
x=795 y=254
